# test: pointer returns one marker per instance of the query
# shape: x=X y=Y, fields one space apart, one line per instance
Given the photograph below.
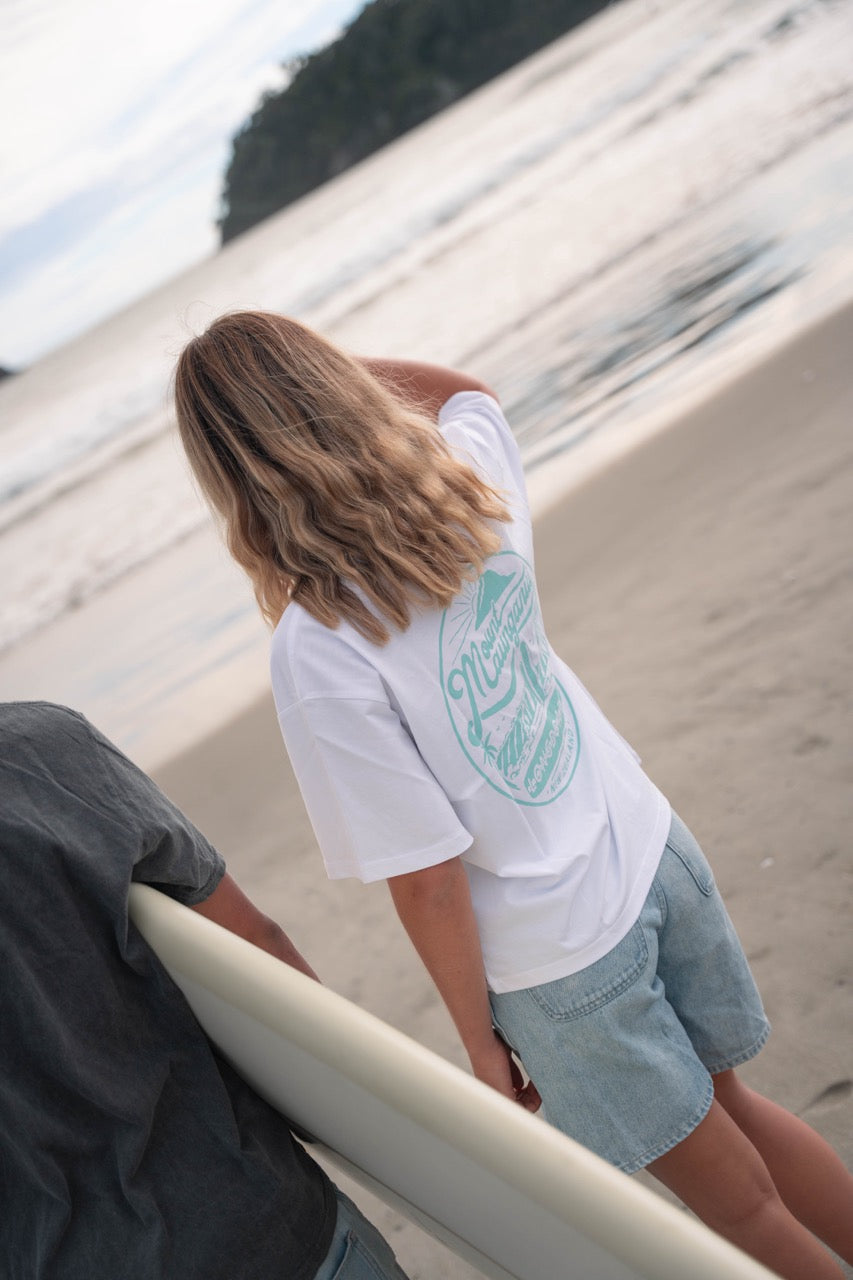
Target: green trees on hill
x=398 y=63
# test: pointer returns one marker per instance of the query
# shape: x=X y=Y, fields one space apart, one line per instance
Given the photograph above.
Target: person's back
x=128 y=1147
x=562 y=910
x=516 y=751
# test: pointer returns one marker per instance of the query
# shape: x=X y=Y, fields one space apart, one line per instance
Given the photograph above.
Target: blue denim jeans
x=623 y=1051
x=358 y=1251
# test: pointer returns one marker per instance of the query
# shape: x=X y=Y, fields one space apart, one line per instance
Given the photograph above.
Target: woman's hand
x=496 y=1066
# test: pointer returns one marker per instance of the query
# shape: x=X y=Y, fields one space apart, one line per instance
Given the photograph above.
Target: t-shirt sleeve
x=473 y=423
x=170 y=853
x=79 y=802
x=376 y=809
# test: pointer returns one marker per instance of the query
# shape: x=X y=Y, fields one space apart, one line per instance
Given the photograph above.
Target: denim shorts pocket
x=357 y=1263
x=592 y=988
x=691 y=857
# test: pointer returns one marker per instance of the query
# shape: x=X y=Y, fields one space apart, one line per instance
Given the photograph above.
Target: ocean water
x=614 y=226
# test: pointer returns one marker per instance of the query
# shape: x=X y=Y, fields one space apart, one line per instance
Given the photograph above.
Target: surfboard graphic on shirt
x=511 y=716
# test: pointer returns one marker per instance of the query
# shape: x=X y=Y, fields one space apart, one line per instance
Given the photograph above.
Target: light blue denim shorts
x=623 y=1052
x=358 y=1250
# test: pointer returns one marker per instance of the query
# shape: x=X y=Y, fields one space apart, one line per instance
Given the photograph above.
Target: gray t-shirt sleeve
x=173 y=855
x=72 y=790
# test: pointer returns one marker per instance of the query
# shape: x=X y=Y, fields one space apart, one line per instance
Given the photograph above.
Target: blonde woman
x=379 y=508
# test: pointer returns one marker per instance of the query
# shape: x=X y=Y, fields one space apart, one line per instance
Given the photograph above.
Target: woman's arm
x=425 y=386
x=229 y=906
x=434 y=906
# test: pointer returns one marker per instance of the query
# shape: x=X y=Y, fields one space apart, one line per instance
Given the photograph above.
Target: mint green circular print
x=513 y=719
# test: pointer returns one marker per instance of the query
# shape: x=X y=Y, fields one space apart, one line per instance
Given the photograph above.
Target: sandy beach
x=701 y=586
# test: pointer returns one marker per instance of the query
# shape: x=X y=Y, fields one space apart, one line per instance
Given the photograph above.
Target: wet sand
x=702 y=588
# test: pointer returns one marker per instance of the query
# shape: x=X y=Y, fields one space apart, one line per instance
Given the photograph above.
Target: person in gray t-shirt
x=129 y=1147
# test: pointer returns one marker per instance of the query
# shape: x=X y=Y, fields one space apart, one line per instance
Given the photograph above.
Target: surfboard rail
x=505 y=1190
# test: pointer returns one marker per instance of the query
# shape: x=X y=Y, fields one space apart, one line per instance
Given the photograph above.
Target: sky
x=119 y=118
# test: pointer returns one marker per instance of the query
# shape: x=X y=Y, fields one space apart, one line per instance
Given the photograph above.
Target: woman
x=559 y=905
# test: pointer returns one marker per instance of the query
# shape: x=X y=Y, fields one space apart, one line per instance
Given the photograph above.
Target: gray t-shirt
x=128 y=1148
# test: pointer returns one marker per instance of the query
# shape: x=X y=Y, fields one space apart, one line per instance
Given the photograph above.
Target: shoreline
x=164 y=687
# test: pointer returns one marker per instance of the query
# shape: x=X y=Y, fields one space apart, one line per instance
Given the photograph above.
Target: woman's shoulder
x=476 y=414
x=470 y=403
x=474 y=423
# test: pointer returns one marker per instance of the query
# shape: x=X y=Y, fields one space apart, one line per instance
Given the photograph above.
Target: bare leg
x=719 y=1174
x=809 y=1176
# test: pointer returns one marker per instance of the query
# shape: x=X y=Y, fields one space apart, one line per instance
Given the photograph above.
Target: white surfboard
x=506 y=1191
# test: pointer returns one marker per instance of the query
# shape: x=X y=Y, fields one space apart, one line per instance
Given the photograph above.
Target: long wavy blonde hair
x=324 y=480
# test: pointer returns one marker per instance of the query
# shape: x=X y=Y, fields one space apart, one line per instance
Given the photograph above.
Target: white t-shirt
x=466 y=735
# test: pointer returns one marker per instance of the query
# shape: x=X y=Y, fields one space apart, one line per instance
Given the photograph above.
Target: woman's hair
x=324 y=479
